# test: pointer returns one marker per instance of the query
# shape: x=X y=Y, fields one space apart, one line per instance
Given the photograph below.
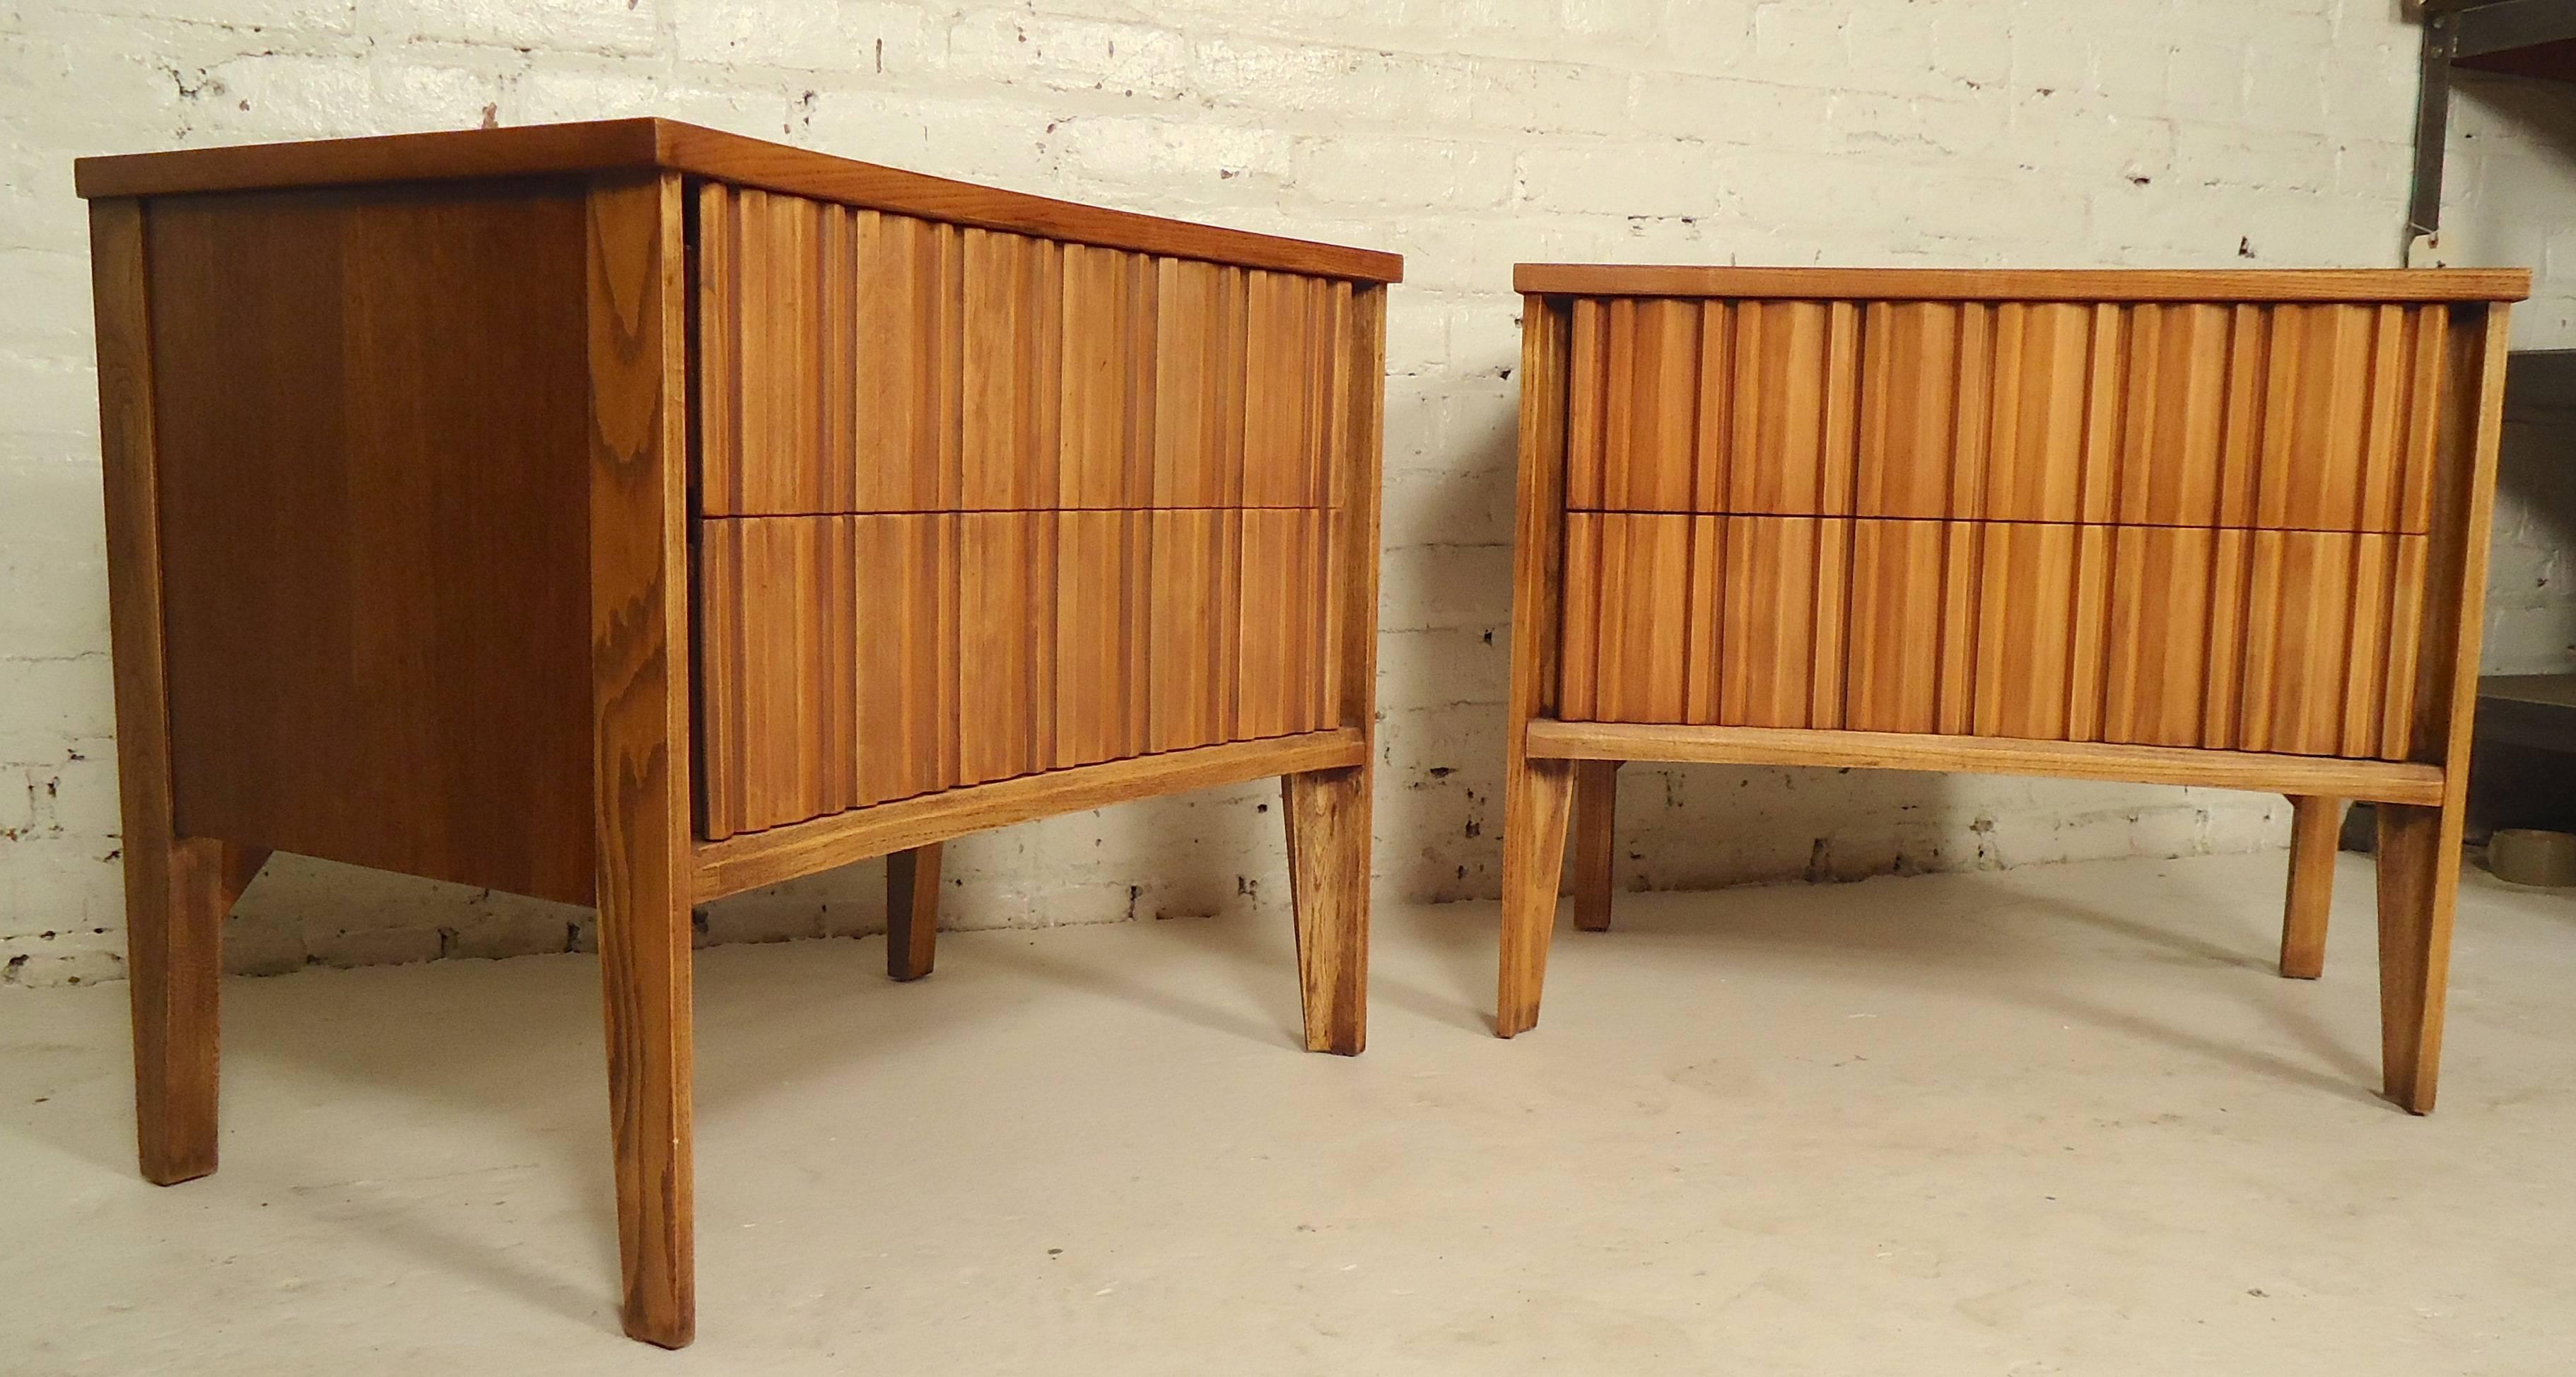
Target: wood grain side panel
x=176 y=889
x=1356 y=490
x=372 y=411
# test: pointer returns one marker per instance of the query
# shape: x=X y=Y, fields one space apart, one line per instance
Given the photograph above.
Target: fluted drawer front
x=2290 y=416
x=2302 y=642
x=850 y=660
x=856 y=361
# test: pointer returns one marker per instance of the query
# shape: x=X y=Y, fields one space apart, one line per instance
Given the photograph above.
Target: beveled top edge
x=2027 y=284
x=653 y=144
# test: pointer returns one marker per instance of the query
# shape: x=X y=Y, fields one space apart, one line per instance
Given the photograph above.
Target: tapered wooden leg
x=1536 y=801
x=1327 y=814
x=174 y=923
x=1596 y=789
x=640 y=765
x=912 y=911
x=2315 y=825
x=177 y=894
x=2419 y=880
x=174 y=888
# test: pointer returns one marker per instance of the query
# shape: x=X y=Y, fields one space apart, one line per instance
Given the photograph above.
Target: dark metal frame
x=2470 y=33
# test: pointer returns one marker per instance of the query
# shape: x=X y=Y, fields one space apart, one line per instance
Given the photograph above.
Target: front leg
x=2419 y=880
x=1327 y=813
x=1537 y=796
x=174 y=962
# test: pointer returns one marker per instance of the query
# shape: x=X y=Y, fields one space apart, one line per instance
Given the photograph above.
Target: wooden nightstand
x=2216 y=528
x=631 y=514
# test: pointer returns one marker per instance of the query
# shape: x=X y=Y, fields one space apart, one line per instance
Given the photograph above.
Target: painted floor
x=2055 y=1120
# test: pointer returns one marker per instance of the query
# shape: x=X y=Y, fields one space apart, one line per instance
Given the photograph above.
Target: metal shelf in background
x=2531 y=38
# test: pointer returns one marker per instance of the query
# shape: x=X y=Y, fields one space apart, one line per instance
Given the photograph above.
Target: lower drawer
x=851 y=660
x=2291 y=641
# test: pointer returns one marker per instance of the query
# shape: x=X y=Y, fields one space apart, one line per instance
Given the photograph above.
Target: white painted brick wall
x=1467 y=134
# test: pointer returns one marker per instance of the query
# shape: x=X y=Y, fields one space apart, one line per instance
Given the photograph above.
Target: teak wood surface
x=629 y=514
x=2224 y=529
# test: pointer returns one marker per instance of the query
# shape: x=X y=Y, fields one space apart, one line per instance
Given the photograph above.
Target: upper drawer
x=858 y=361
x=2315 y=416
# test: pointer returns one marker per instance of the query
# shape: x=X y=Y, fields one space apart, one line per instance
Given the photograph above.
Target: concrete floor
x=2052 y=1120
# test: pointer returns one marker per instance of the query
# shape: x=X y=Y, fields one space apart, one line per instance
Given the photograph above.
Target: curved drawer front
x=858 y=361
x=851 y=660
x=2312 y=416
x=2291 y=641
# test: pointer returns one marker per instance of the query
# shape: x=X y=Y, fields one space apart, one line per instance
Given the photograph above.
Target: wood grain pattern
x=1536 y=797
x=635 y=145
x=2212 y=414
x=1596 y=846
x=754 y=859
x=853 y=660
x=635 y=306
x=1913 y=627
x=2315 y=825
x=175 y=896
x=1535 y=813
x=2267 y=641
x=2419 y=847
x=912 y=911
x=854 y=361
x=2215 y=529
x=2372 y=285
x=2379 y=780
x=1005 y=630
x=376 y=623
x=400 y=485
x=1327 y=814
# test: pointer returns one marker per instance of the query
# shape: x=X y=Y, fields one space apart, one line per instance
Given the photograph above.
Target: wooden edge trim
x=2380 y=781
x=800 y=171
x=530 y=150
x=752 y=859
x=668 y=145
x=2058 y=284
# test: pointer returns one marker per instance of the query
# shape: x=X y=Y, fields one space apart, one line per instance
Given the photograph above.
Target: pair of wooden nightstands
x=633 y=515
